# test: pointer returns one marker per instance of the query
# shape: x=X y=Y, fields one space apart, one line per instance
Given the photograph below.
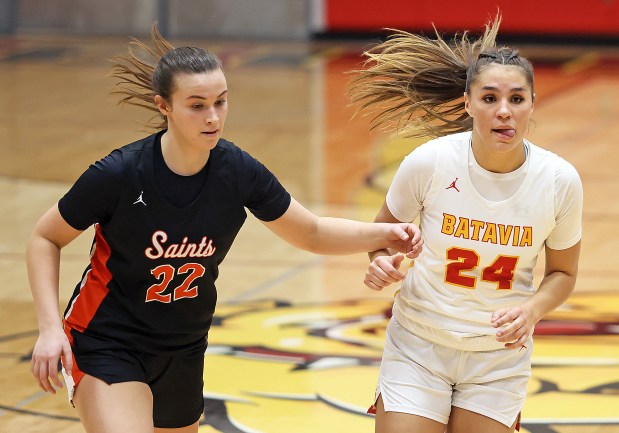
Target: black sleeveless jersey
x=150 y=284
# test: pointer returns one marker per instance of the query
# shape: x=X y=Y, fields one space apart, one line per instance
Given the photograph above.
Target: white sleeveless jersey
x=478 y=255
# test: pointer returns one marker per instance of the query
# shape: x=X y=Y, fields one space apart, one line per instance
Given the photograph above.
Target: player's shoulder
x=547 y=160
x=141 y=145
x=448 y=144
x=548 y=157
x=129 y=153
x=127 y=156
x=227 y=145
x=228 y=152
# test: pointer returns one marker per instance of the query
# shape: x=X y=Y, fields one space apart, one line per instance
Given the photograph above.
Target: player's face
x=198 y=108
x=500 y=102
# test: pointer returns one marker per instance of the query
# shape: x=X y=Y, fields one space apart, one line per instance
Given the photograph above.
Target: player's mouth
x=210 y=133
x=504 y=133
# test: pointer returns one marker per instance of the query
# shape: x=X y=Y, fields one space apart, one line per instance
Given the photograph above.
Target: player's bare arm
x=49 y=236
x=557 y=285
x=324 y=235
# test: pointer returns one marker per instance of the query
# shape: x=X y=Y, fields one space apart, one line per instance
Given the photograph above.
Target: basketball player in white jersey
x=458 y=346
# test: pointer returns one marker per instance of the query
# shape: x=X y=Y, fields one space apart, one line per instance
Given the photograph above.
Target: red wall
x=559 y=17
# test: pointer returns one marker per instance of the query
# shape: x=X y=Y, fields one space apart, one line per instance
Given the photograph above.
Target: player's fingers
x=498 y=313
x=382 y=280
x=504 y=336
x=56 y=381
x=384 y=266
x=415 y=251
x=419 y=245
x=510 y=326
x=515 y=332
x=34 y=369
x=394 y=275
x=67 y=358
x=43 y=377
x=396 y=260
x=33 y=365
x=388 y=274
x=54 y=374
x=372 y=285
x=518 y=344
x=400 y=233
x=500 y=317
x=415 y=234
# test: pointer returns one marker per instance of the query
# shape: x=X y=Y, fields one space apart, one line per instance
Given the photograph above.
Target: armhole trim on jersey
x=436 y=178
x=123 y=178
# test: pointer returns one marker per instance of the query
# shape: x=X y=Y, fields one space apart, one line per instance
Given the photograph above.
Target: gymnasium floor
x=297 y=339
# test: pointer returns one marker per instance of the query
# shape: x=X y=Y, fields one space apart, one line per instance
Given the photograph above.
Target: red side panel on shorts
x=76 y=373
x=94 y=286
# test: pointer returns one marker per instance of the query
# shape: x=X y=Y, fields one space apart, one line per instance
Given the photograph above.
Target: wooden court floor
x=297 y=340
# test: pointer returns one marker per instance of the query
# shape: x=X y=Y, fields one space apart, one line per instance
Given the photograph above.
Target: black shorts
x=176 y=380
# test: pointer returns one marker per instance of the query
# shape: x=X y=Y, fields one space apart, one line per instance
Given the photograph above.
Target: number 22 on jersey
x=184 y=290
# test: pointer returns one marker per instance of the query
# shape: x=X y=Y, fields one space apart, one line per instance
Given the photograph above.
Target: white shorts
x=425 y=378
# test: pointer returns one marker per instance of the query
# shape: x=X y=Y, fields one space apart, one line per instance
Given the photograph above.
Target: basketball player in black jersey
x=166 y=210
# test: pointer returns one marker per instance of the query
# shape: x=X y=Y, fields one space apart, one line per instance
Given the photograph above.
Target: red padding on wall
x=587 y=17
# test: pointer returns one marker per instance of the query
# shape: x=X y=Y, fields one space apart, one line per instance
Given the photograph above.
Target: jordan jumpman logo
x=140 y=199
x=453 y=185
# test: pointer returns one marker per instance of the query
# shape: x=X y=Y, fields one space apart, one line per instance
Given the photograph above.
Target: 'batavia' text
x=460 y=227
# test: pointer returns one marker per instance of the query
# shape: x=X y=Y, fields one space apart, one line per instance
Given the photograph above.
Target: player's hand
x=405 y=238
x=515 y=326
x=47 y=351
x=383 y=271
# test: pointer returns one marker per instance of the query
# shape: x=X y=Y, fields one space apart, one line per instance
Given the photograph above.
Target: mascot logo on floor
x=276 y=367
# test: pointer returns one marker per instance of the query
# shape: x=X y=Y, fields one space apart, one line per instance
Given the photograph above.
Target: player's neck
x=181 y=158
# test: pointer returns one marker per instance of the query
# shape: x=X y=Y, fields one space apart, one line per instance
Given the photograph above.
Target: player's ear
x=162 y=105
x=467 y=104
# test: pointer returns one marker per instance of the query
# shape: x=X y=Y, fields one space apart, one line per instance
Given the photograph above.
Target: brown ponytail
x=145 y=72
x=416 y=83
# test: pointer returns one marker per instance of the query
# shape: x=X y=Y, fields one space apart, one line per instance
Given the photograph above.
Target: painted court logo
x=315 y=366
x=278 y=367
